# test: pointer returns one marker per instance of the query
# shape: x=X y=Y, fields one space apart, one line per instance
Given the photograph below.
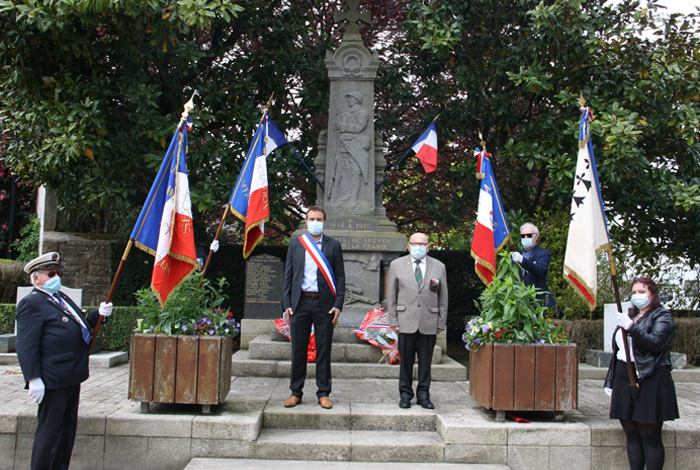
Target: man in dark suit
x=53 y=336
x=417 y=307
x=535 y=263
x=313 y=294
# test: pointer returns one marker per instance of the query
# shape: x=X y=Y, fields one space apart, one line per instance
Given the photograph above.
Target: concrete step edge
x=201 y=463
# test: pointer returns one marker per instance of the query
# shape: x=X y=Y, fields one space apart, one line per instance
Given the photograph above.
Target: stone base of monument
x=268 y=355
x=598 y=358
x=253 y=328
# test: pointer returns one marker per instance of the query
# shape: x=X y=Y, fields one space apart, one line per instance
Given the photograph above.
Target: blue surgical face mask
x=314 y=227
x=418 y=252
x=526 y=242
x=640 y=300
x=53 y=285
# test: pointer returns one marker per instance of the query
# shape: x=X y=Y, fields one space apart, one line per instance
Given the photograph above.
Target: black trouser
x=409 y=344
x=56 y=428
x=308 y=312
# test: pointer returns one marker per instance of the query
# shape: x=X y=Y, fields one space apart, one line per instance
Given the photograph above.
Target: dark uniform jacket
x=49 y=342
x=536 y=273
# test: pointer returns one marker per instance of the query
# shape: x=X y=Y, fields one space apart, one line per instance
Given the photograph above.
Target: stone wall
x=85 y=263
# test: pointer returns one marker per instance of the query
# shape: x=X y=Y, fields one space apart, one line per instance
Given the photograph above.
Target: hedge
x=588 y=334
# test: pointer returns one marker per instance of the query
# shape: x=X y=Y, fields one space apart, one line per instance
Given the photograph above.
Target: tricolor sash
x=320 y=259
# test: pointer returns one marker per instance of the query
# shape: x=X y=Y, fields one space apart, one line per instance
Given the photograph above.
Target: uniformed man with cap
x=53 y=336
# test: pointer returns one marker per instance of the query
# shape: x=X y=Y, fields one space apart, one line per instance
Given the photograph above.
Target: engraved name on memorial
x=264 y=278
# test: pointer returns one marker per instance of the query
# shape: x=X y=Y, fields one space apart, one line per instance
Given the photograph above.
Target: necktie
x=83 y=330
x=419 y=275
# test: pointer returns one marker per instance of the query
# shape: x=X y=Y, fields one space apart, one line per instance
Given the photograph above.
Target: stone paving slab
x=114 y=434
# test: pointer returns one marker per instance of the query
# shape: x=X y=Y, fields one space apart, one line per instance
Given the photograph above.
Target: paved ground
x=105 y=392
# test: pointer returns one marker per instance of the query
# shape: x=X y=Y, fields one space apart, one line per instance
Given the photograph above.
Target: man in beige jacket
x=417 y=306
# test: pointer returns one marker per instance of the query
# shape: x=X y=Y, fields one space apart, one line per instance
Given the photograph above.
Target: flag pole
x=634 y=386
x=480 y=176
x=223 y=217
x=189 y=106
x=399 y=162
x=306 y=166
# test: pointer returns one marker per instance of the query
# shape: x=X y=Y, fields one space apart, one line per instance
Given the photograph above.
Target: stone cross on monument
x=352 y=16
x=349 y=165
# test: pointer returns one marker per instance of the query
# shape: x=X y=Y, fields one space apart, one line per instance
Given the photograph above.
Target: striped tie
x=419 y=275
x=83 y=331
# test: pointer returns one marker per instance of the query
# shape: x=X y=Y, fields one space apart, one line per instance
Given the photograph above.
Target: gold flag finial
x=267 y=107
x=482 y=142
x=581 y=100
x=189 y=106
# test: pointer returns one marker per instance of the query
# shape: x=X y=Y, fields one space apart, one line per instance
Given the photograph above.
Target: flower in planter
x=193 y=309
x=510 y=313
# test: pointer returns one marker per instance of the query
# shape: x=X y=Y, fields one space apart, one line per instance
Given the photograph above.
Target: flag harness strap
x=320 y=259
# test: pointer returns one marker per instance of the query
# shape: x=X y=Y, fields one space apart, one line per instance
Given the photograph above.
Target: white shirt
x=309 y=282
x=421 y=263
x=621 y=346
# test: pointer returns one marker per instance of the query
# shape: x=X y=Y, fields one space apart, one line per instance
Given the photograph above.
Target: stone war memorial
x=349 y=167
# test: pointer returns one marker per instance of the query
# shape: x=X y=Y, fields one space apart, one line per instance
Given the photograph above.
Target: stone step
x=264 y=347
x=252 y=464
x=447 y=370
x=349 y=417
x=362 y=446
x=342 y=334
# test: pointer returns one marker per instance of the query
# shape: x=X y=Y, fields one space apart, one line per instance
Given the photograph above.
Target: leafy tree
x=91 y=91
x=513 y=71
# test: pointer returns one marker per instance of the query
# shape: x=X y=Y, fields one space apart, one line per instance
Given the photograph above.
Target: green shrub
x=28 y=244
x=12 y=275
x=7 y=318
x=587 y=334
x=116 y=333
x=688 y=339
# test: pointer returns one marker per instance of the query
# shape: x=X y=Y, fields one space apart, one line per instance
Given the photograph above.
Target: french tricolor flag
x=165 y=227
x=491 y=232
x=249 y=200
x=426 y=148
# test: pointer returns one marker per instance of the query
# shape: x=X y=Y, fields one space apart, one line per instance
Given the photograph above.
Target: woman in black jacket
x=650 y=330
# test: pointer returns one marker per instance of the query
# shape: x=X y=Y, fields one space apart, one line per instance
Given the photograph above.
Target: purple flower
x=212 y=332
x=184 y=328
x=477 y=340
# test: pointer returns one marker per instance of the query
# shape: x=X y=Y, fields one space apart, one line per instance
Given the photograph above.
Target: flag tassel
x=216 y=237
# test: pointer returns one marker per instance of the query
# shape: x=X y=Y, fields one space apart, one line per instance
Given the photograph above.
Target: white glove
x=517 y=257
x=608 y=391
x=214 y=246
x=105 y=309
x=36 y=390
x=623 y=320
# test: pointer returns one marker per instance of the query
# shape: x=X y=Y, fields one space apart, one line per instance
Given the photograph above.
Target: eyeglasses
x=418 y=244
x=51 y=274
x=526 y=235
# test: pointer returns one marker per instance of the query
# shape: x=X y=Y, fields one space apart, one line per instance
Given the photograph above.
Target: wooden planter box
x=180 y=369
x=524 y=377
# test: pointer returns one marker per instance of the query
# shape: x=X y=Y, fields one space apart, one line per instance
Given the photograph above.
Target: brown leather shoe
x=325 y=402
x=292 y=401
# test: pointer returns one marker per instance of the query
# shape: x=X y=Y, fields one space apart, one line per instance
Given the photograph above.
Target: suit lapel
x=428 y=269
x=63 y=309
